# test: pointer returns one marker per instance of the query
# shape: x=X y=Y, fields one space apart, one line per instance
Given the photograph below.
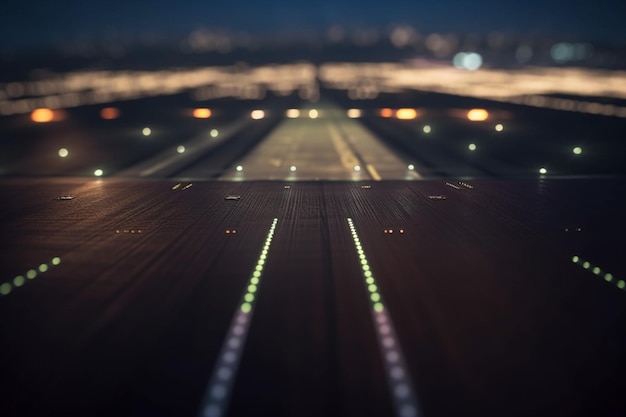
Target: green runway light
x=372 y=288
x=254 y=281
x=18 y=281
x=259 y=268
x=43 y=268
x=249 y=297
x=368 y=274
x=369 y=280
x=5 y=288
x=56 y=260
x=379 y=307
x=246 y=307
x=366 y=267
x=375 y=297
x=575 y=259
x=364 y=262
x=252 y=288
x=596 y=270
x=586 y=265
x=31 y=273
x=608 y=277
x=621 y=284
x=256 y=274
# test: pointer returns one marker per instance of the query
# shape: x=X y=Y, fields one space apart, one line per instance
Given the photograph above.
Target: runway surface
x=496 y=297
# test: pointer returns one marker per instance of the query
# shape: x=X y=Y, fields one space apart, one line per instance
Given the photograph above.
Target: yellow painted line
x=347 y=157
x=373 y=173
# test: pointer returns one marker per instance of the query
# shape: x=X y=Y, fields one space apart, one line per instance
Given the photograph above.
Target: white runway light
x=146 y=131
x=217 y=394
x=398 y=378
x=257 y=114
x=63 y=153
x=292 y=168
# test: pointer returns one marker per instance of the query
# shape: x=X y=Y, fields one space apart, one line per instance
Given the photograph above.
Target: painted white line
x=398 y=378
x=218 y=391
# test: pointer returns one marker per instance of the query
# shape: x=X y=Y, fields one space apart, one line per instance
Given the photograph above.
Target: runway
x=493 y=309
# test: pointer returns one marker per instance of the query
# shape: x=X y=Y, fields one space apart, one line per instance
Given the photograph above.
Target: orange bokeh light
x=477 y=115
x=42 y=115
x=109 y=113
x=202 y=113
x=406 y=114
x=386 y=112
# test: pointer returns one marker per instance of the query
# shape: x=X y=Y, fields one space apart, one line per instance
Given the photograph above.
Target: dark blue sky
x=24 y=22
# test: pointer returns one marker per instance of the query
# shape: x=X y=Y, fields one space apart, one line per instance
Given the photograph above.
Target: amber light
x=477 y=115
x=109 y=113
x=202 y=113
x=406 y=114
x=42 y=115
x=386 y=112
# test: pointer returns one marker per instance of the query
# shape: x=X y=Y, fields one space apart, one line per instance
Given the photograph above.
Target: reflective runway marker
x=18 y=281
x=596 y=270
x=176 y=186
x=218 y=391
x=400 y=385
x=188 y=186
x=456 y=187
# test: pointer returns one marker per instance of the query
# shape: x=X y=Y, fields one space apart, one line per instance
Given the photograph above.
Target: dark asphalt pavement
x=135 y=284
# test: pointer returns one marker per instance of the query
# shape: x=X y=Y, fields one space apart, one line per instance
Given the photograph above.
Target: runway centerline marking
x=398 y=378
x=218 y=392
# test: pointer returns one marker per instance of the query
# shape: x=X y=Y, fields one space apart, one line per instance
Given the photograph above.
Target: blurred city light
x=146 y=131
x=239 y=168
x=98 y=172
x=63 y=152
x=386 y=112
x=427 y=129
x=471 y=146
x=499 y=127
x=577 y=150
x=213 y=133
x=467 y=60
x=180 y=149
x=313 y=114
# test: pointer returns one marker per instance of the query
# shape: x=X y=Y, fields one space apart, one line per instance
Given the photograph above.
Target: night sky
x=40 y=22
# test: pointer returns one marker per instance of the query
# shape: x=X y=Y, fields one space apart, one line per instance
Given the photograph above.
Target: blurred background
x=312 y=90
